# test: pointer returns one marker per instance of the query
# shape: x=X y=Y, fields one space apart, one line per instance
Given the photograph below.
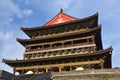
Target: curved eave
x=97 y=53
x=25 y=41
x=22 y=41
x=60 y=24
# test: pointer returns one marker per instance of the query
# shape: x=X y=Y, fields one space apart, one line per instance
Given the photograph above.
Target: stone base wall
x=6 y=75
x=100 y=74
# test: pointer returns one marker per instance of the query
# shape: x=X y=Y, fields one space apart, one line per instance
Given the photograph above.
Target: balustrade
x=82 y=50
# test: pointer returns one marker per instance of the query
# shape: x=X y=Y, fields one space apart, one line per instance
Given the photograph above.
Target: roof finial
x=61 y=10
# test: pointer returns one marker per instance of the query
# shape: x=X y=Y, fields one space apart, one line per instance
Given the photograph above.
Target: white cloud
x=6 y=35
x=9 y=48
x=27 y=2
x=27 y=12
x=8 y=8
x=63 y=4
x=8 y=11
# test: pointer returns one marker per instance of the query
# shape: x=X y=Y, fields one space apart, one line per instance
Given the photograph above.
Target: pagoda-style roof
x=53 y=22
x=29 y=41
x=97 y=53
x=60 y=18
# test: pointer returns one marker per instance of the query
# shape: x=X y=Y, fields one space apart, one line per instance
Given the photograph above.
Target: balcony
x=60 y=52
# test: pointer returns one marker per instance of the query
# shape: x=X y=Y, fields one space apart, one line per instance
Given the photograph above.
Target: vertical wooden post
x=94 y=49
x=60 y=69
x=102 y=67
x=89 y=67
x=70 y=68
x=102 y=63
x=93 y=39
x=62 y=44
x=42 y=46
x=37 y=71
x=88 y=40
x=46 y=70
x=50 y=46
x=22 y=72
x=72 y=43
x=14 y=70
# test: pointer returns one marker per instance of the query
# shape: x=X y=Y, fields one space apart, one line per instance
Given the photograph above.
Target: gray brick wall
x=101 y=74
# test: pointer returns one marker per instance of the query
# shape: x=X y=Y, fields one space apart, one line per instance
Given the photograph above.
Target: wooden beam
x=56 y=65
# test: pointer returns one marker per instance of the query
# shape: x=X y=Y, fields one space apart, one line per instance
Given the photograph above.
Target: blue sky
x=32 y=13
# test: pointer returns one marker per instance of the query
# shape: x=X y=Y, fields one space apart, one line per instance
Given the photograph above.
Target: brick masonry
x=101 y=74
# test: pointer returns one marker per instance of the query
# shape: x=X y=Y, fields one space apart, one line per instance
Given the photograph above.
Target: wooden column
x=102 y=63
x=102 y=66
x=62 y=44
x=42 y=46
x=87 y=40
x=14 y=70
x=36 y=71
x=93 y=39
x=60 y=69
x=22 y=72
x=72 y=43
x=33 y=71
x=70 y=68
x=89 y=67
x=50 y=46
x=46 y=70
x=94 y=49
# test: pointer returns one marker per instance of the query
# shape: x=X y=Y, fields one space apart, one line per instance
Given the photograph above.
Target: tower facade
x=65 y=43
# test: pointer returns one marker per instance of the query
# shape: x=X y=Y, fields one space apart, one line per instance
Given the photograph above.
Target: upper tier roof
x=59 y=18
x=60 y=24
x=32 y=31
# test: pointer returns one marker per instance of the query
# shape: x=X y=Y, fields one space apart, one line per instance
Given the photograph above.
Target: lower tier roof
x=97 y=53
